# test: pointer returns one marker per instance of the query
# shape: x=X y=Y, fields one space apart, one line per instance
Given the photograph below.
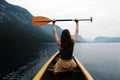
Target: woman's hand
x=76 y=20
x=53 y=21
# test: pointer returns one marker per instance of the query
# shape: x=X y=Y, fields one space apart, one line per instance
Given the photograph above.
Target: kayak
x=47 y=71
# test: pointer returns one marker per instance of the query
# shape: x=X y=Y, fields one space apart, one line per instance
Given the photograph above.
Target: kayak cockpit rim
x=41 y=72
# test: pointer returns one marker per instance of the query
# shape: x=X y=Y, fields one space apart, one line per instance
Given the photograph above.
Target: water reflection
x=41 y=54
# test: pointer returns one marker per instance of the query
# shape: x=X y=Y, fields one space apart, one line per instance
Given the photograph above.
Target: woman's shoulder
x=73 y=41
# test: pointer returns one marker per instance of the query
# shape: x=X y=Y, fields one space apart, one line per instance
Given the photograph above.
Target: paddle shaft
x=73 y=20
x=65 y=20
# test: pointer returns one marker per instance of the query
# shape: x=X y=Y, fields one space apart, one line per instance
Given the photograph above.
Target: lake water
x=102 y=60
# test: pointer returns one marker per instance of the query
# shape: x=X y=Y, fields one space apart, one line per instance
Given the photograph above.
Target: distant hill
x=80 y=40
x=107 y=39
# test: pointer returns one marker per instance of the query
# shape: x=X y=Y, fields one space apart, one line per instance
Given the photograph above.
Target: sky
x=105 y=13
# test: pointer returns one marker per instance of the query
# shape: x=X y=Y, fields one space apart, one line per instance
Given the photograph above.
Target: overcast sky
x=105 y=13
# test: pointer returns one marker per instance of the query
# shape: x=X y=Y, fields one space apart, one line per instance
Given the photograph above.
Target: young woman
x=66 y=46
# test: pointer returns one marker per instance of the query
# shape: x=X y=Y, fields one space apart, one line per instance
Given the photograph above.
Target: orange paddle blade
x=40 y=21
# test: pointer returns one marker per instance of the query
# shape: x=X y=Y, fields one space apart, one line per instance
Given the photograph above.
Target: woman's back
x=66 y=45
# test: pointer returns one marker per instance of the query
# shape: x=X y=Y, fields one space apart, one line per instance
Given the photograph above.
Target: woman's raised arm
x=76 y=31
x=55 y=33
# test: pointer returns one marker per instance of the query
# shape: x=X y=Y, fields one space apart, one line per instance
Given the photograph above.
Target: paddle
x=40 y=20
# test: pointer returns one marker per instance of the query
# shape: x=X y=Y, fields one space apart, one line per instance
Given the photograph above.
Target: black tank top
x=66 y=54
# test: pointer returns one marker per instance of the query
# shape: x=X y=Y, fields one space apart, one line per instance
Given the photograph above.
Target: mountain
x=16 y=27
x=80 y=39
x=107 y=39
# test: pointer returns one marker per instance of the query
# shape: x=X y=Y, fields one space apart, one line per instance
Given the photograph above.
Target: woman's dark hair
x=66 y=41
